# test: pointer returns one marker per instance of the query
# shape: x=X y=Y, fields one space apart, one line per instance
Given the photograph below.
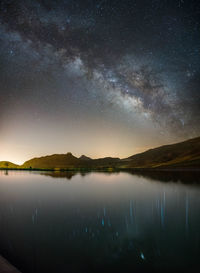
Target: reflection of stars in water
x=181 y=2
x=142 y=256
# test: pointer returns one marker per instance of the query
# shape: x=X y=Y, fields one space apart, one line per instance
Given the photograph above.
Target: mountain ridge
x=185 y=154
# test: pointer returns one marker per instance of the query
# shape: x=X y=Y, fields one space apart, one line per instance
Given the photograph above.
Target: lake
x=100 y=222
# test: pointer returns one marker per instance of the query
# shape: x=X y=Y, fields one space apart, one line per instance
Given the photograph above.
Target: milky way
x=135 y=63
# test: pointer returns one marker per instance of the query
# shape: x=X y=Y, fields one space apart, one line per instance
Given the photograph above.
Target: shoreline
x=7 y=267
x=106 y=169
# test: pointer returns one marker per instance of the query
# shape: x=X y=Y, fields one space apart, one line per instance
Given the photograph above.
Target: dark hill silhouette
x=64 y=161
x=180 y=155
x=83 y=157
x=53 y=161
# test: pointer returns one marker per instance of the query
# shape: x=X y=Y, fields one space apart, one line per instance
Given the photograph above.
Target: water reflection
x=98 y=222
x=70 y=174
x=182 y=176
x=186 y=177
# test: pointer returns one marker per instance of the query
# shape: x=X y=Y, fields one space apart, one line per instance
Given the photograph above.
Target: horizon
x=78 y=156
x=74 y=154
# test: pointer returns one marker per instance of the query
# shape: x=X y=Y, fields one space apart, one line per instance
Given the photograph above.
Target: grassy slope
x=52 y=161
x=183 y=154
x=63 y=161
x=7 y=164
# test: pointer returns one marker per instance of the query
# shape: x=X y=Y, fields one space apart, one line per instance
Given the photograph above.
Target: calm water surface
x=99 y=222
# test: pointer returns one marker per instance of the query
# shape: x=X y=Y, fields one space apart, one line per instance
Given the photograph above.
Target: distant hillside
x=83 y=157
x=52 y=161
x=184 y=154
x=180 y=155
x=7 y=164
x=64 y=161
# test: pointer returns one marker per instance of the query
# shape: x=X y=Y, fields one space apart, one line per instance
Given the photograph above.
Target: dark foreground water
x=98 y=222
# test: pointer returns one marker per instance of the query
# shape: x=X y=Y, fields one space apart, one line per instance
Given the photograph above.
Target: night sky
x=101 y=78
